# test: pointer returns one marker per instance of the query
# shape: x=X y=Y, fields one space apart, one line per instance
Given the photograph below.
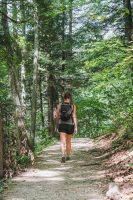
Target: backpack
x=66 y=112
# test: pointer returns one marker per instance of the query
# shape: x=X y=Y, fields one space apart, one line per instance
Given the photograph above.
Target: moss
x=117 y=143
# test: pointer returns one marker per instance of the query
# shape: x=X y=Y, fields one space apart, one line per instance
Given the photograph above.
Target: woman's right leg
x=68 y=145
x=62 y=143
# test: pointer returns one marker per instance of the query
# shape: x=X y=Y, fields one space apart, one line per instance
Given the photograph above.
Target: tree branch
x=14 y=21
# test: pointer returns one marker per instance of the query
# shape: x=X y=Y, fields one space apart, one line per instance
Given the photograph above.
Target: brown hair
x=68 y=95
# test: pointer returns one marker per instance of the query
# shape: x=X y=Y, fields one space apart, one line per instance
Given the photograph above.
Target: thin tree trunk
x=23 y=93
x=51 y=98
x=14 y=15
x=63 y=34
x=70 y=26
x=1 y=149
x=128 y=20
x=35 y=76
x=23 y=54
x=41 y=100
x=63 y=46
x=128 y=28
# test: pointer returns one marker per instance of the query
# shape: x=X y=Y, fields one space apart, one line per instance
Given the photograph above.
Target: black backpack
x=66 y=112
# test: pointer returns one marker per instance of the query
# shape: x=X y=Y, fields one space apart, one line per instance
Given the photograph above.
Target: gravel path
x=82 y=178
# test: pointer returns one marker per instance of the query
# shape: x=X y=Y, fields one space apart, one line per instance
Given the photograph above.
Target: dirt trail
x=82 y=178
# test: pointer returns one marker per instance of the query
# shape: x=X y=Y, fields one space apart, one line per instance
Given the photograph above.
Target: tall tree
x=35 y=75
x=23 y=146
x=63 y=56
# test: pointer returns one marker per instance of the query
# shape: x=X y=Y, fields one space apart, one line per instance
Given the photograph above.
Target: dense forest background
x=52 y=46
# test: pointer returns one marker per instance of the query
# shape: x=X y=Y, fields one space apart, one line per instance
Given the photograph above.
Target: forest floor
x=84 y=177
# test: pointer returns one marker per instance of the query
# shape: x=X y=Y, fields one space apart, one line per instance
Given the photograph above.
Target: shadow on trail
x=82 y=178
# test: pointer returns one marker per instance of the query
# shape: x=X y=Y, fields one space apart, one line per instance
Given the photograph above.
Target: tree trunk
x=1 y=149
x=14 y=15
x=63 y=46
x=35 y=76
x=51 y=104
x=70 y=27
x=41 y=100
x=128 y=20
x=23 y=55
x=23 y=93
x=23 y=147
x=128 y=28
x=63 y=34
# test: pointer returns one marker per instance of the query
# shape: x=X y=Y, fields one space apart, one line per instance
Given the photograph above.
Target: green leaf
x=127 y=11
x=130 y=164
x=103 y=18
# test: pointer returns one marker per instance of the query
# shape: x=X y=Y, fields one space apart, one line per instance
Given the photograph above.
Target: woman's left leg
x=68 y=144
x=62 y=144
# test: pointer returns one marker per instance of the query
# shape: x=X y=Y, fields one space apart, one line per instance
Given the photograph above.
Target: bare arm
x=75 y=119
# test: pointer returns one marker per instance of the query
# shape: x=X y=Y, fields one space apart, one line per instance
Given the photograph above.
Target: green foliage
x=23 y=160
x=4 y=86
x=1 y=186
x=128 y=135
x=4 y=184
x=43 y=141
x=117 y=143
x=130 y=164
x=106 y=103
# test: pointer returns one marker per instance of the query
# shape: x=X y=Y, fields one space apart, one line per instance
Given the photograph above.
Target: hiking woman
x=66 y=124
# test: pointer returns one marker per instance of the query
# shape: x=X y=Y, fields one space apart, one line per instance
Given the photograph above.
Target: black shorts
x=66 y=128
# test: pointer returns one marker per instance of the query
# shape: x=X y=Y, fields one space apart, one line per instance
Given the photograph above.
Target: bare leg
x=62 y=143
x=68 y=145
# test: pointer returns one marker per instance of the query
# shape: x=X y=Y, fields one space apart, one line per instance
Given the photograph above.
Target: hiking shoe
x=68 y=158
x=63 y=159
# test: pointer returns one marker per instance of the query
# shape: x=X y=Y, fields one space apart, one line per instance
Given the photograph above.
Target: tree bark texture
x=70 y=26
x=63 y=45
x=1 y=149
x=22 y=139
x=35 y=76
x=24 y=56
x=128 y=20
x=41 y=100
x=52 y=100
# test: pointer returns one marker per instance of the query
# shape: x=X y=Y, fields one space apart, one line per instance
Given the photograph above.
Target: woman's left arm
x=75 y=120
